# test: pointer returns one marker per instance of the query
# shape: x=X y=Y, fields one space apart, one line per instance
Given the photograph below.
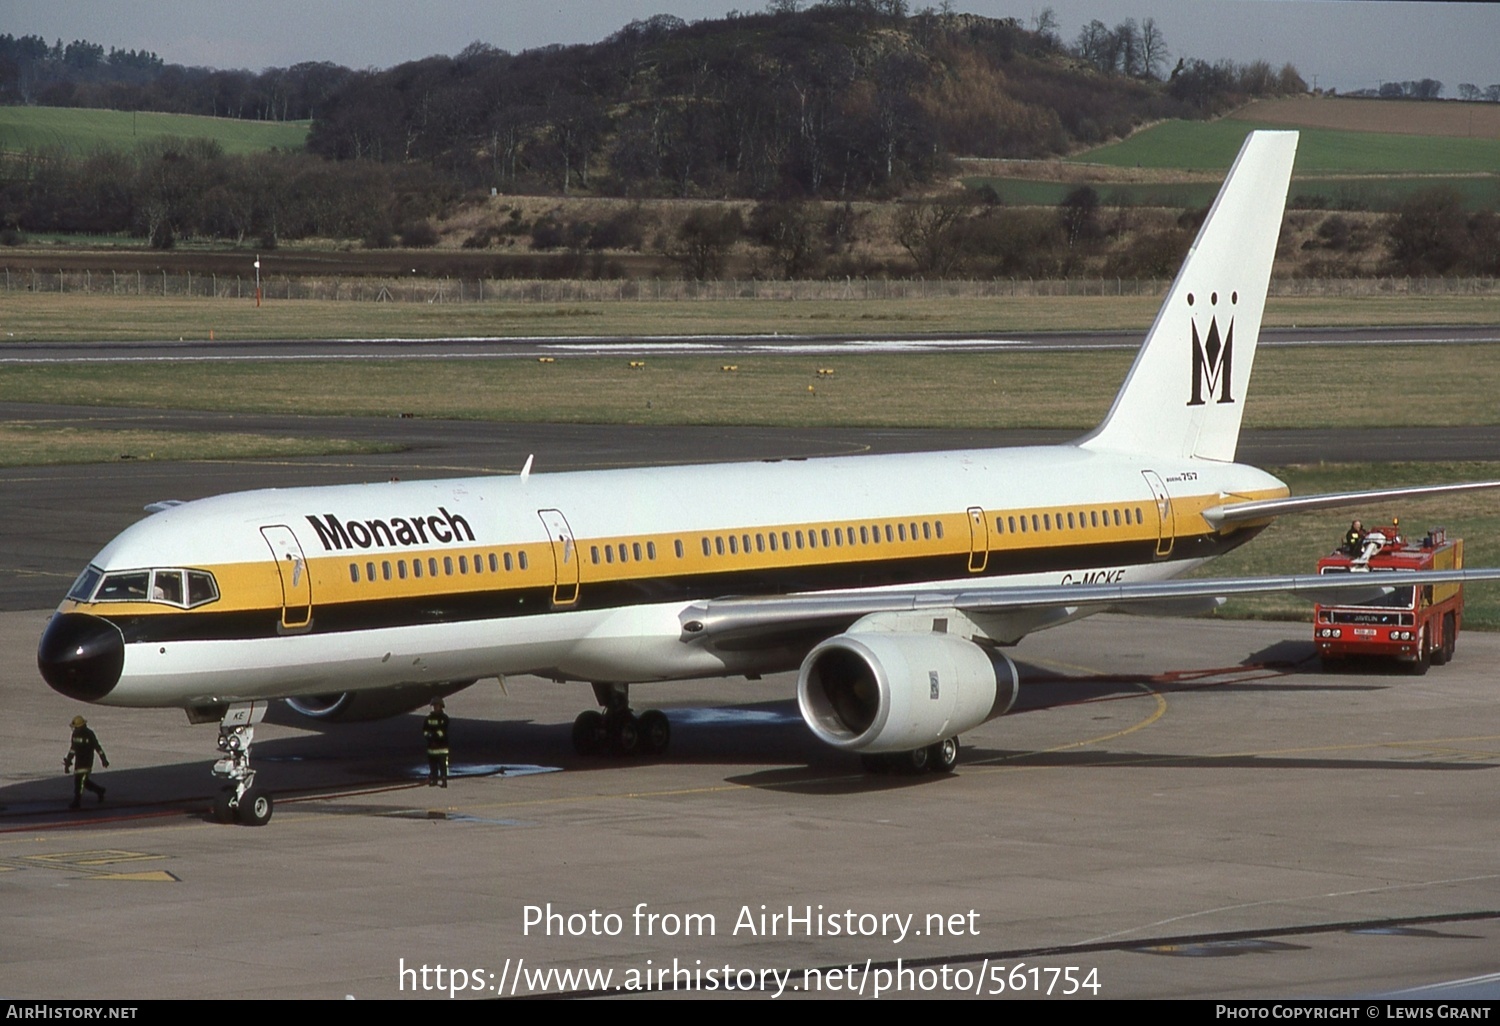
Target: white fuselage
x=585 y=576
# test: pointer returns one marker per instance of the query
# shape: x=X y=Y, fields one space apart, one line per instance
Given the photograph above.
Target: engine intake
x=874 y=692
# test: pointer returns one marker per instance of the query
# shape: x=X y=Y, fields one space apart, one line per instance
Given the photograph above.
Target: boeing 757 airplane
x=893 y=582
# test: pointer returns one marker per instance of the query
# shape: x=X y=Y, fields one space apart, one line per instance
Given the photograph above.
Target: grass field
x=1212 y=145
x=82 y=130
x=1294 y=544
x=1350 y=192
x=29 y=443
x=77 y=317
x=1294 y=388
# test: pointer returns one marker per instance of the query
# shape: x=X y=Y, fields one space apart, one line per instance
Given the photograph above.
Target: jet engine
x=892 y=692
x=375 y=704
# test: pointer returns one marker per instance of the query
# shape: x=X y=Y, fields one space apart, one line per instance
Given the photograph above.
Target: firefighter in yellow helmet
x=80 y=760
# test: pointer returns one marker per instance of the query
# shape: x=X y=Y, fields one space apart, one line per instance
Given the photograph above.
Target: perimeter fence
x=547 y=290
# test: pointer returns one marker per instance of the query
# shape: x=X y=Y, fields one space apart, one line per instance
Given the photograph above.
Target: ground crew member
x=80 y=760
x=1354 y=540
x=435 y=731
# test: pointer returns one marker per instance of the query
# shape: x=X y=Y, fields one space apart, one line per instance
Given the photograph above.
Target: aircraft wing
x=744 y=621
x=1262 y=509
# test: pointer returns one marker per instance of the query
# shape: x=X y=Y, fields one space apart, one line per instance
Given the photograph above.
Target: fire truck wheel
x=1419 y=666
x=1450 y=638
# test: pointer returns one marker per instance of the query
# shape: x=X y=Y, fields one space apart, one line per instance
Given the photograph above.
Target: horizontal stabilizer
x=1265 y=509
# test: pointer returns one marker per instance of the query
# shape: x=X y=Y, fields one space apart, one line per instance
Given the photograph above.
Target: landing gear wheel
x=223 y=811
x=915 y=761
x=943 y=756
x=625 y=734
x=589 y=734
x=655 y=731
x=255 y=808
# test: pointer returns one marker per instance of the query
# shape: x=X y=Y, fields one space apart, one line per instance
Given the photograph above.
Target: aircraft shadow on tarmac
x=331 y=759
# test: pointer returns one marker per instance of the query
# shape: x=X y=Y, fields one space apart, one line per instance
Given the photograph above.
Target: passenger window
x=938 y=528
x=1046 y=521
x=609 y=554
x=825 y=537
x=463 y=564
x=760 y=543
x=901 y=531
x=416 y=568
x=370 y=571
x=864 y=535
x=624 y=553
x=354 y=572
x=385 y=570
x=509 y=566
x=890 y=535
x=495 y=564
x=400 y=569
x=677 y=546
x=432 y=566
x=522 y=558
x=594 y=554
x=635 y=549
x=734 y=545
x=1071 y=525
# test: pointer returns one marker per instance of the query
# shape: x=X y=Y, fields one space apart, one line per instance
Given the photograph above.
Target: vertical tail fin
x=1185 y=393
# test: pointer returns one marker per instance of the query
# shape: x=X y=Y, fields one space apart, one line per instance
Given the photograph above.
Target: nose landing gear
x=240 y=800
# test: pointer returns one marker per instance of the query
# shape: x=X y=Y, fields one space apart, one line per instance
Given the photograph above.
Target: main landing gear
x=240 y=800
x=617 y=730
x=935 y=758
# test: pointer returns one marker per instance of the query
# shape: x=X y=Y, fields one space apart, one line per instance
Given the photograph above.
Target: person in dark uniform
x=80 y=760
x=1354 y=540
x=435 y=731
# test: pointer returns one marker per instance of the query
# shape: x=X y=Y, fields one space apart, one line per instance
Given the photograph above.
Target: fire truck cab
x=1416 y=627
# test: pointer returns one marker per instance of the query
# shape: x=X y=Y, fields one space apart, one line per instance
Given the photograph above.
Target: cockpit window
x=83 y=588
x=183 y=588
x=166 y=586
x=132 y=586
x=201 y=587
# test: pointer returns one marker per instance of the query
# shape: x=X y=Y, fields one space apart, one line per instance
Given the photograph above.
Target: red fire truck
x=1416 y=627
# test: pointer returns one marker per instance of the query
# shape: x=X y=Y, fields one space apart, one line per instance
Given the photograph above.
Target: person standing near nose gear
x=80 y=760
x=435 y=731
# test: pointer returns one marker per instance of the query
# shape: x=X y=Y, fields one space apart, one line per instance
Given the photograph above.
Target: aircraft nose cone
x=81 y=656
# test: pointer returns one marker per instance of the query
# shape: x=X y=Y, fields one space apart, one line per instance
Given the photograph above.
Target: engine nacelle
x=375 y=704
x=879 y=692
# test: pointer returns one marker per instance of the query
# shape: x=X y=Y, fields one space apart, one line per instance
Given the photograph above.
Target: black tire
x=918 y=760
x=255 y=808
x=223 y=811
x=1418 y=666
x=655 y=730
x=589 y=734
x=943 y=756
x=625 y=734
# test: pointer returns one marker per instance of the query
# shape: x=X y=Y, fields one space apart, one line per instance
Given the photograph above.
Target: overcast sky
x=1343 y=44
